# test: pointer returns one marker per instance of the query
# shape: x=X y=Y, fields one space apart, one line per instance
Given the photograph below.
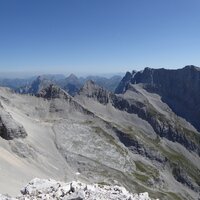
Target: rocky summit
x=51 y=189
x=144 y=137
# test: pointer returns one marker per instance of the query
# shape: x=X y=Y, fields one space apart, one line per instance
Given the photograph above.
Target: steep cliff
x=180 y=89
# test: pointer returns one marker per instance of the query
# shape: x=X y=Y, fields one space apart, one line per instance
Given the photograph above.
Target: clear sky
x=99 y=36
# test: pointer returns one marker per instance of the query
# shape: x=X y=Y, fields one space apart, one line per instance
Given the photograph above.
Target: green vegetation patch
x=148 y=170
x=177 y=159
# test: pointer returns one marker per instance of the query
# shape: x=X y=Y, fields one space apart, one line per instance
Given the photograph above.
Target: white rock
x=37 y=186
x=51 y=189
x=144 y=196
x=66 y=188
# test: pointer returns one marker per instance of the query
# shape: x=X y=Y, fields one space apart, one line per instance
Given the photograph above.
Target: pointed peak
x=72 y=77
x=40 y=78
x=128 y=73
x=122 y=85
x=134 y=72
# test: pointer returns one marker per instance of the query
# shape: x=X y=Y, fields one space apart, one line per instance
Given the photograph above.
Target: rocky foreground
x=51 y=189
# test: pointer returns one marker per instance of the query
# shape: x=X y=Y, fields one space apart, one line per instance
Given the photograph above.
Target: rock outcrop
x=139 y=148
x=9 y=128
x=51 y=189
x=52 y=92
x=109 y=84
x=124 y=82
x=92 y=90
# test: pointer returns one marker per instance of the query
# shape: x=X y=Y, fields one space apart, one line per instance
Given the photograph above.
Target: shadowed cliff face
x=120 y=88
x=180 y=89
x=91 y=90
x=9 y=128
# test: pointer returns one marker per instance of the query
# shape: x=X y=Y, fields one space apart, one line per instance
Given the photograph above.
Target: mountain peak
x=38 y=79
x=191 y=67
x=90 y=86
x=92 y=90
x=122 y=85
x=52 y=91
x=72 y=77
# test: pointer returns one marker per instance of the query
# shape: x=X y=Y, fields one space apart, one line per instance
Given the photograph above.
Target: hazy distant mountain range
x=70 y=84
x=141 y=131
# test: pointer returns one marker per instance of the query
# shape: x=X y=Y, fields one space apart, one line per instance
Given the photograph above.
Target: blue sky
x=98 y=36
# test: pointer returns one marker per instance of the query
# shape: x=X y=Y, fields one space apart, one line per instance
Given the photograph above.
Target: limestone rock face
x=122 y=85
x=9 y=128
x=180 y=89
x=92 y=90
x=52 y=92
